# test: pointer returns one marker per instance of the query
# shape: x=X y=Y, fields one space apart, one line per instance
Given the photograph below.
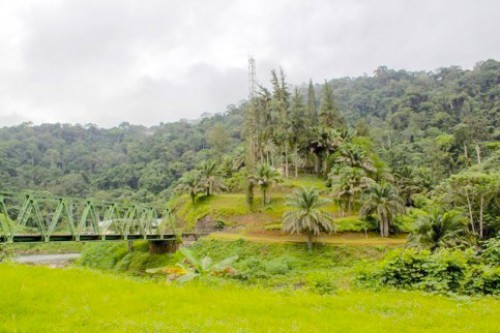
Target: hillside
x=228 y=216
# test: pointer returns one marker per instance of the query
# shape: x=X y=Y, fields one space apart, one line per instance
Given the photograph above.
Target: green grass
x=38 y=299
x=284 y=266
x=35 y=248
x=234 y=211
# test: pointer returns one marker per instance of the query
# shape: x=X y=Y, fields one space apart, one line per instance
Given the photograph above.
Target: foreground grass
x=38 y=299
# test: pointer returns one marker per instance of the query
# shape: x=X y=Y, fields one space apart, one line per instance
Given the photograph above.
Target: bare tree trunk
x=481 y=209
x=310 y=241
x=478 y=153
x=296 y=161
x=381 y=223
x=469 y=205
x=286 y=160
x=316 y=164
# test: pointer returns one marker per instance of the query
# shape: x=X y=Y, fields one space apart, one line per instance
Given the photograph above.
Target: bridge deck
x=86 y=238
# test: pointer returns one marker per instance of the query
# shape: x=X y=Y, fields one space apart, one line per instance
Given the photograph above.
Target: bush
x=442 y=272
x=483 y=279
x=321 y=282
x=491 y=251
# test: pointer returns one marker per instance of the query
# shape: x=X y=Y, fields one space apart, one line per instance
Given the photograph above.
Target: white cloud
x=150 y=61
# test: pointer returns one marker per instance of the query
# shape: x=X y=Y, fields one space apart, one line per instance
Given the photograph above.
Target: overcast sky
x=152 y=61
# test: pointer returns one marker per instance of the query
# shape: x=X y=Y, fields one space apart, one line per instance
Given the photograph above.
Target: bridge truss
x=47 y=219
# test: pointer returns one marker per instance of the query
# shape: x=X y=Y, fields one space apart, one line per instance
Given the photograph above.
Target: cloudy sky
x=145 y=62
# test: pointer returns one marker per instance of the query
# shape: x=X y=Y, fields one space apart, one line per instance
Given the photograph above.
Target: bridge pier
x=163 y=246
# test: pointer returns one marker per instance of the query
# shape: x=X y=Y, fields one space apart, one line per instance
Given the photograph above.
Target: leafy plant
x=193 y=267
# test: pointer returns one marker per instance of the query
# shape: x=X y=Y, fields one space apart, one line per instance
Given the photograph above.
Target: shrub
x=483 y=279
x=321 y=282
x=443 y=272
x=491 y=251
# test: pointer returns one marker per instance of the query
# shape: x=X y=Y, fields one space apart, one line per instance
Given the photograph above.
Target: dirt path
x=354 y=239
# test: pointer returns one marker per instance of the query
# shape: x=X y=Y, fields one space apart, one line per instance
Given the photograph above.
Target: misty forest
x=367 y=203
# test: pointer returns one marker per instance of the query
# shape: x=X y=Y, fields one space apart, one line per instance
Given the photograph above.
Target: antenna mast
x=252 y=84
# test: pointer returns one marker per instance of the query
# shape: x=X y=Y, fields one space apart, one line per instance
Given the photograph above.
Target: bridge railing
x=46 y=219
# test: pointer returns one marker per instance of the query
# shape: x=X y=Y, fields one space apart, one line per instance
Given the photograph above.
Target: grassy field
x=38 y=299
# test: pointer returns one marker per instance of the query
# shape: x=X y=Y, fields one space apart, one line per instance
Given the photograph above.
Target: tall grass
x=38 y=299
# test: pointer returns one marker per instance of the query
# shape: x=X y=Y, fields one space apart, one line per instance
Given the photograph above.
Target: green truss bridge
x=33 y=218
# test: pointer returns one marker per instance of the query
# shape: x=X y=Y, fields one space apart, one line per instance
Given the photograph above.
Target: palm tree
x=266 y=176
x=325 y=143
x=354 y=156
x=409 y=183
x=439 y=229
x=209 y=178
x=306 y=215
x=384 y=200
x=348 y=183
x=189 y=183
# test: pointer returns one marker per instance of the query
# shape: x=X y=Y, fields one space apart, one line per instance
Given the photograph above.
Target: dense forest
x=420 y=137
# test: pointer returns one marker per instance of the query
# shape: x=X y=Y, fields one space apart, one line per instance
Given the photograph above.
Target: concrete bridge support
x=163 y=246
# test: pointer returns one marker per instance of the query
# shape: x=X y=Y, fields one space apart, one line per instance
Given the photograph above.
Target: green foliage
x=439 y=229
x=321 y=282
x=446 y=271
x=354 y=224
x=491 y=251
x=384 y=201
x=266 y=176
x=306 y=215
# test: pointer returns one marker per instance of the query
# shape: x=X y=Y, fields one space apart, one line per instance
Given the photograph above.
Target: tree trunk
x=264 y=197
x=481 y=209
x=286 y=160
x=381 y=223
x=478 y=153
x=316 y=164
x=296 y=161
x=469 y=205
x=310 y=241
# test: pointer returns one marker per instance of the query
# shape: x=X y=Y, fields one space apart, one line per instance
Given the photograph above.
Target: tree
x=217 y=138
x=348 y=183
x=306 y=216
x=311 y=109
x=439 y=229
x=297 y=127
x=409 y=183
x=189 y=183
x=329 y=115
x=209 y=178
x=266 y=176
x=475 y=190
x=325 y=143
x=382 y=199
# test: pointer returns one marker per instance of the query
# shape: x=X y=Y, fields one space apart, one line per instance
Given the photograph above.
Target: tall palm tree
x=209 y=178
x=189 y=184
x=306 y=215
x=439 y=229
x=382 y=199
x=266 y=176
x=348 y=183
